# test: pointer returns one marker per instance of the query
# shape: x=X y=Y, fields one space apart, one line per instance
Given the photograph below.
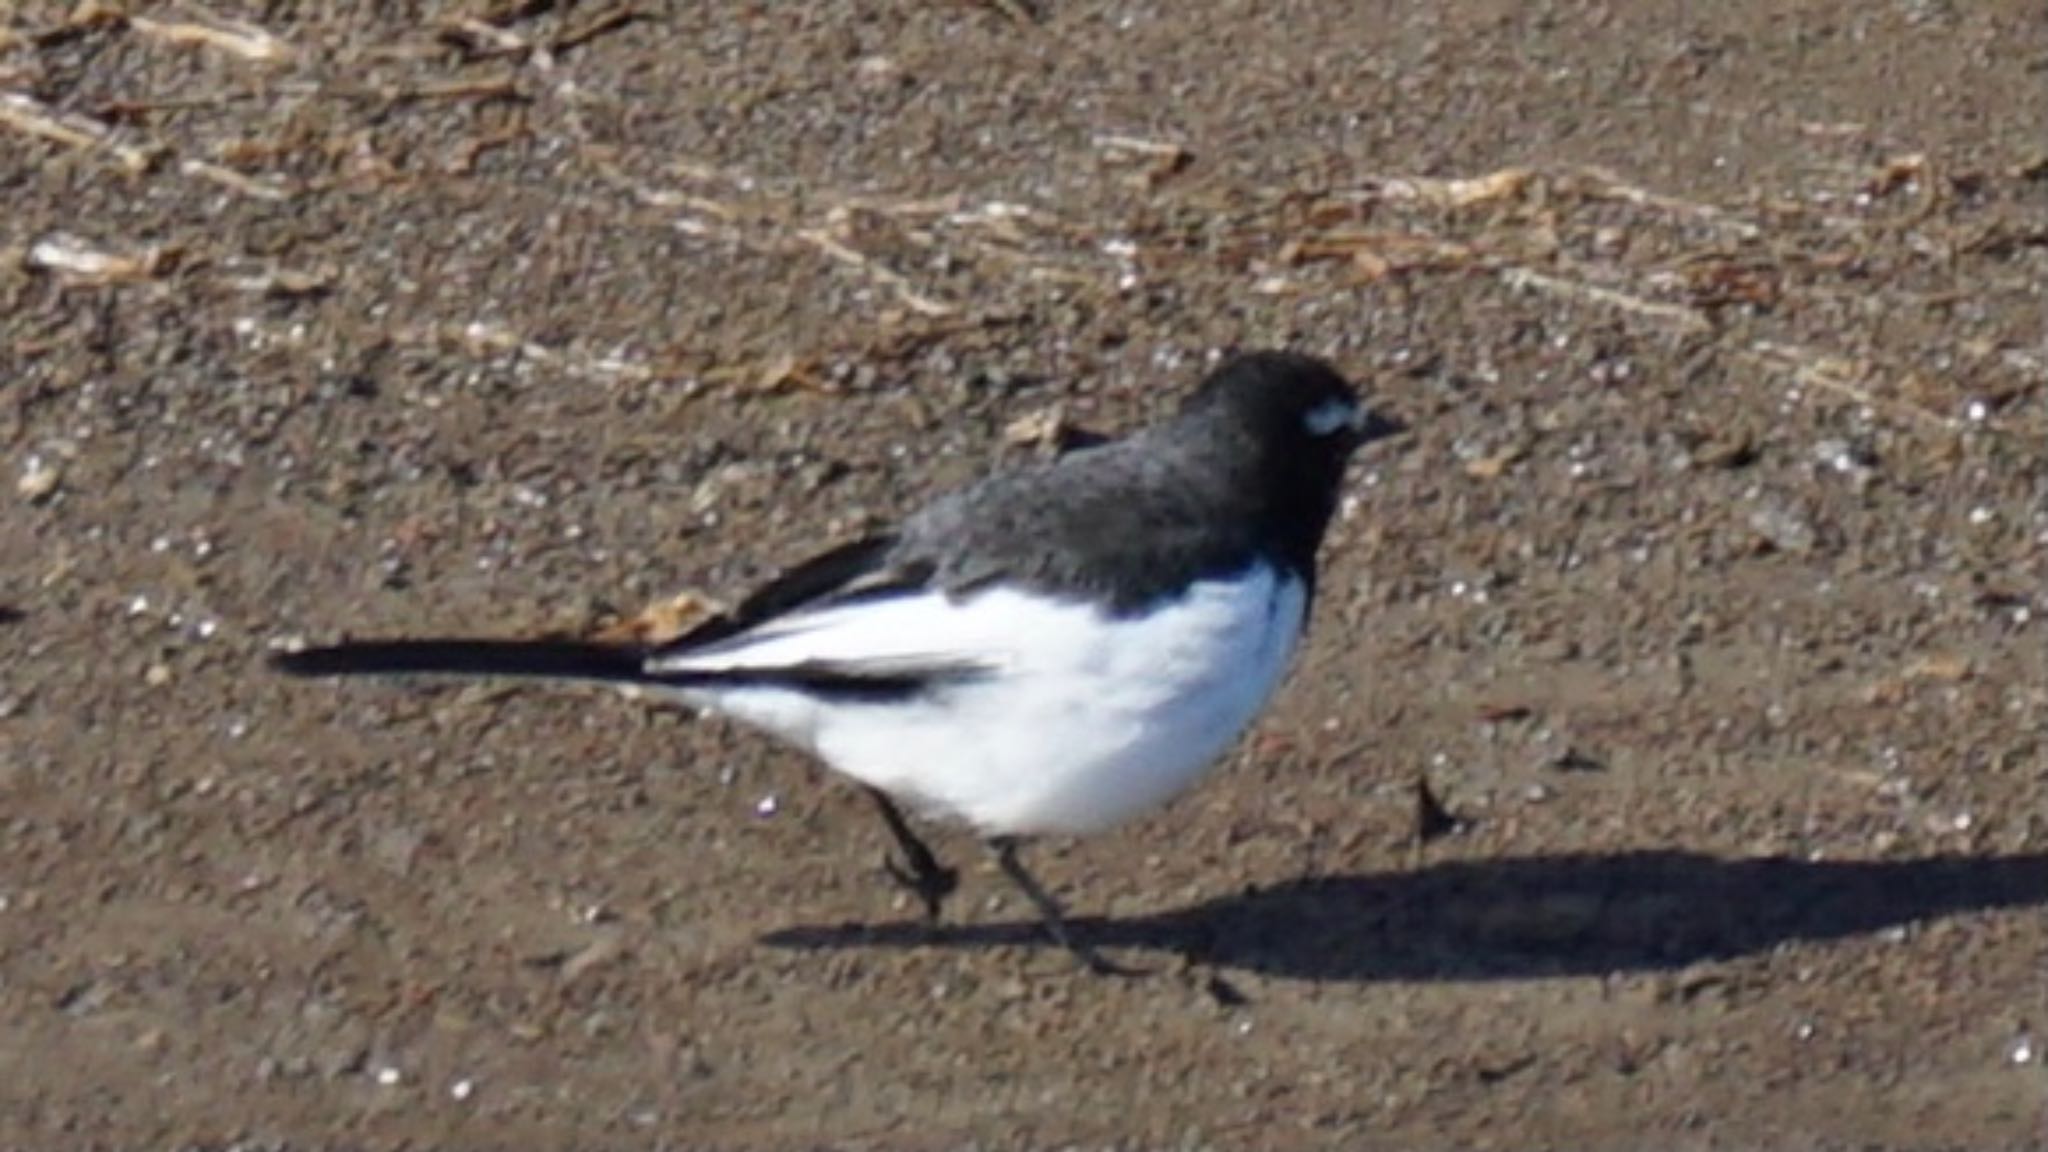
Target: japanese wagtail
x=1050 y=651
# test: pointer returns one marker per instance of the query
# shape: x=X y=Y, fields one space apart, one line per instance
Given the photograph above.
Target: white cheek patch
x=1331 y=416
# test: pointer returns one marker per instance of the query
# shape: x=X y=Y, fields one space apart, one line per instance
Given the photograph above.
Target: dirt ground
x=1707 y=591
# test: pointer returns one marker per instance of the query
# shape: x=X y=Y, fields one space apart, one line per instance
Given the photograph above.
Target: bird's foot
x=926 y=879
x=1052 y=916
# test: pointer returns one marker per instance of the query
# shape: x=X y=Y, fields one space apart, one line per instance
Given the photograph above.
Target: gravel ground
x=1707 y=593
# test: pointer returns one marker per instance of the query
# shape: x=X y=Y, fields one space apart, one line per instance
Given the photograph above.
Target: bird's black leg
x=920 y=873
x=1005 y=851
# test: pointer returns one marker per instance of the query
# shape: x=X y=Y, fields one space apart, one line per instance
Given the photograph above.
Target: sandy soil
x=1708 y=592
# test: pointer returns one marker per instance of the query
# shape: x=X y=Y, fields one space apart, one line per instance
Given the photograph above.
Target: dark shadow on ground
x=1520 y=917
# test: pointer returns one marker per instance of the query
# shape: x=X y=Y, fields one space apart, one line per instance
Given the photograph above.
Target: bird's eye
x=1332 y=416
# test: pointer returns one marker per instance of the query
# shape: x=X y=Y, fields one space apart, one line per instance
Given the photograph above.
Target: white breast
x=1084 y=721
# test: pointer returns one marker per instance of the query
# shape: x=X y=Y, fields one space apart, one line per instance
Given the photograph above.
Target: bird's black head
x=1289 y=400
x=1293 y=422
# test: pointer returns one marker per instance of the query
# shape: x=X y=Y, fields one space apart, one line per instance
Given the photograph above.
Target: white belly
x=1084 y=720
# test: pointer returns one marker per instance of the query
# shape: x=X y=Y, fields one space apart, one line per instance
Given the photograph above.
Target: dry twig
x=33 y=117
x=1677 y=315
x=1840 y=375
x=82 y=263
x=229 y=178
x=913 y=299
x=235 y=37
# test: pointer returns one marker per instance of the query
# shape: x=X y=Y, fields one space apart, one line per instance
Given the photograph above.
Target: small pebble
x=39 y=478
x=767 y=805
x=462 y=1089
x=876 y=71
x=1783 y=527
x=387 y=1076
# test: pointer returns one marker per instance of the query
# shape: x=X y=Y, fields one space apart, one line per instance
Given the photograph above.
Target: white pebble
x=387 y=1076
x=462 y=1089
x=39 y=478
x=766 y=805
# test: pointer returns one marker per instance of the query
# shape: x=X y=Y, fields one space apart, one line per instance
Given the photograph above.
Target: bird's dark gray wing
x=853 y=570
x=1128 y=524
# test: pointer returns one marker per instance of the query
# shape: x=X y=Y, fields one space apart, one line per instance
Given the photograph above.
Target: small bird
x=1050 y=651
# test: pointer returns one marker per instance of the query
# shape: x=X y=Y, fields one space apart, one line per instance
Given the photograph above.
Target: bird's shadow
x=1519 y=917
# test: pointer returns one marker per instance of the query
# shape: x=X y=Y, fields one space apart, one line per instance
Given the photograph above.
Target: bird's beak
x=1370 y=424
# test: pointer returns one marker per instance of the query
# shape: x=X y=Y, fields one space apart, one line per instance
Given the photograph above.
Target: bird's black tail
x=594 y=662
x=533 y=659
